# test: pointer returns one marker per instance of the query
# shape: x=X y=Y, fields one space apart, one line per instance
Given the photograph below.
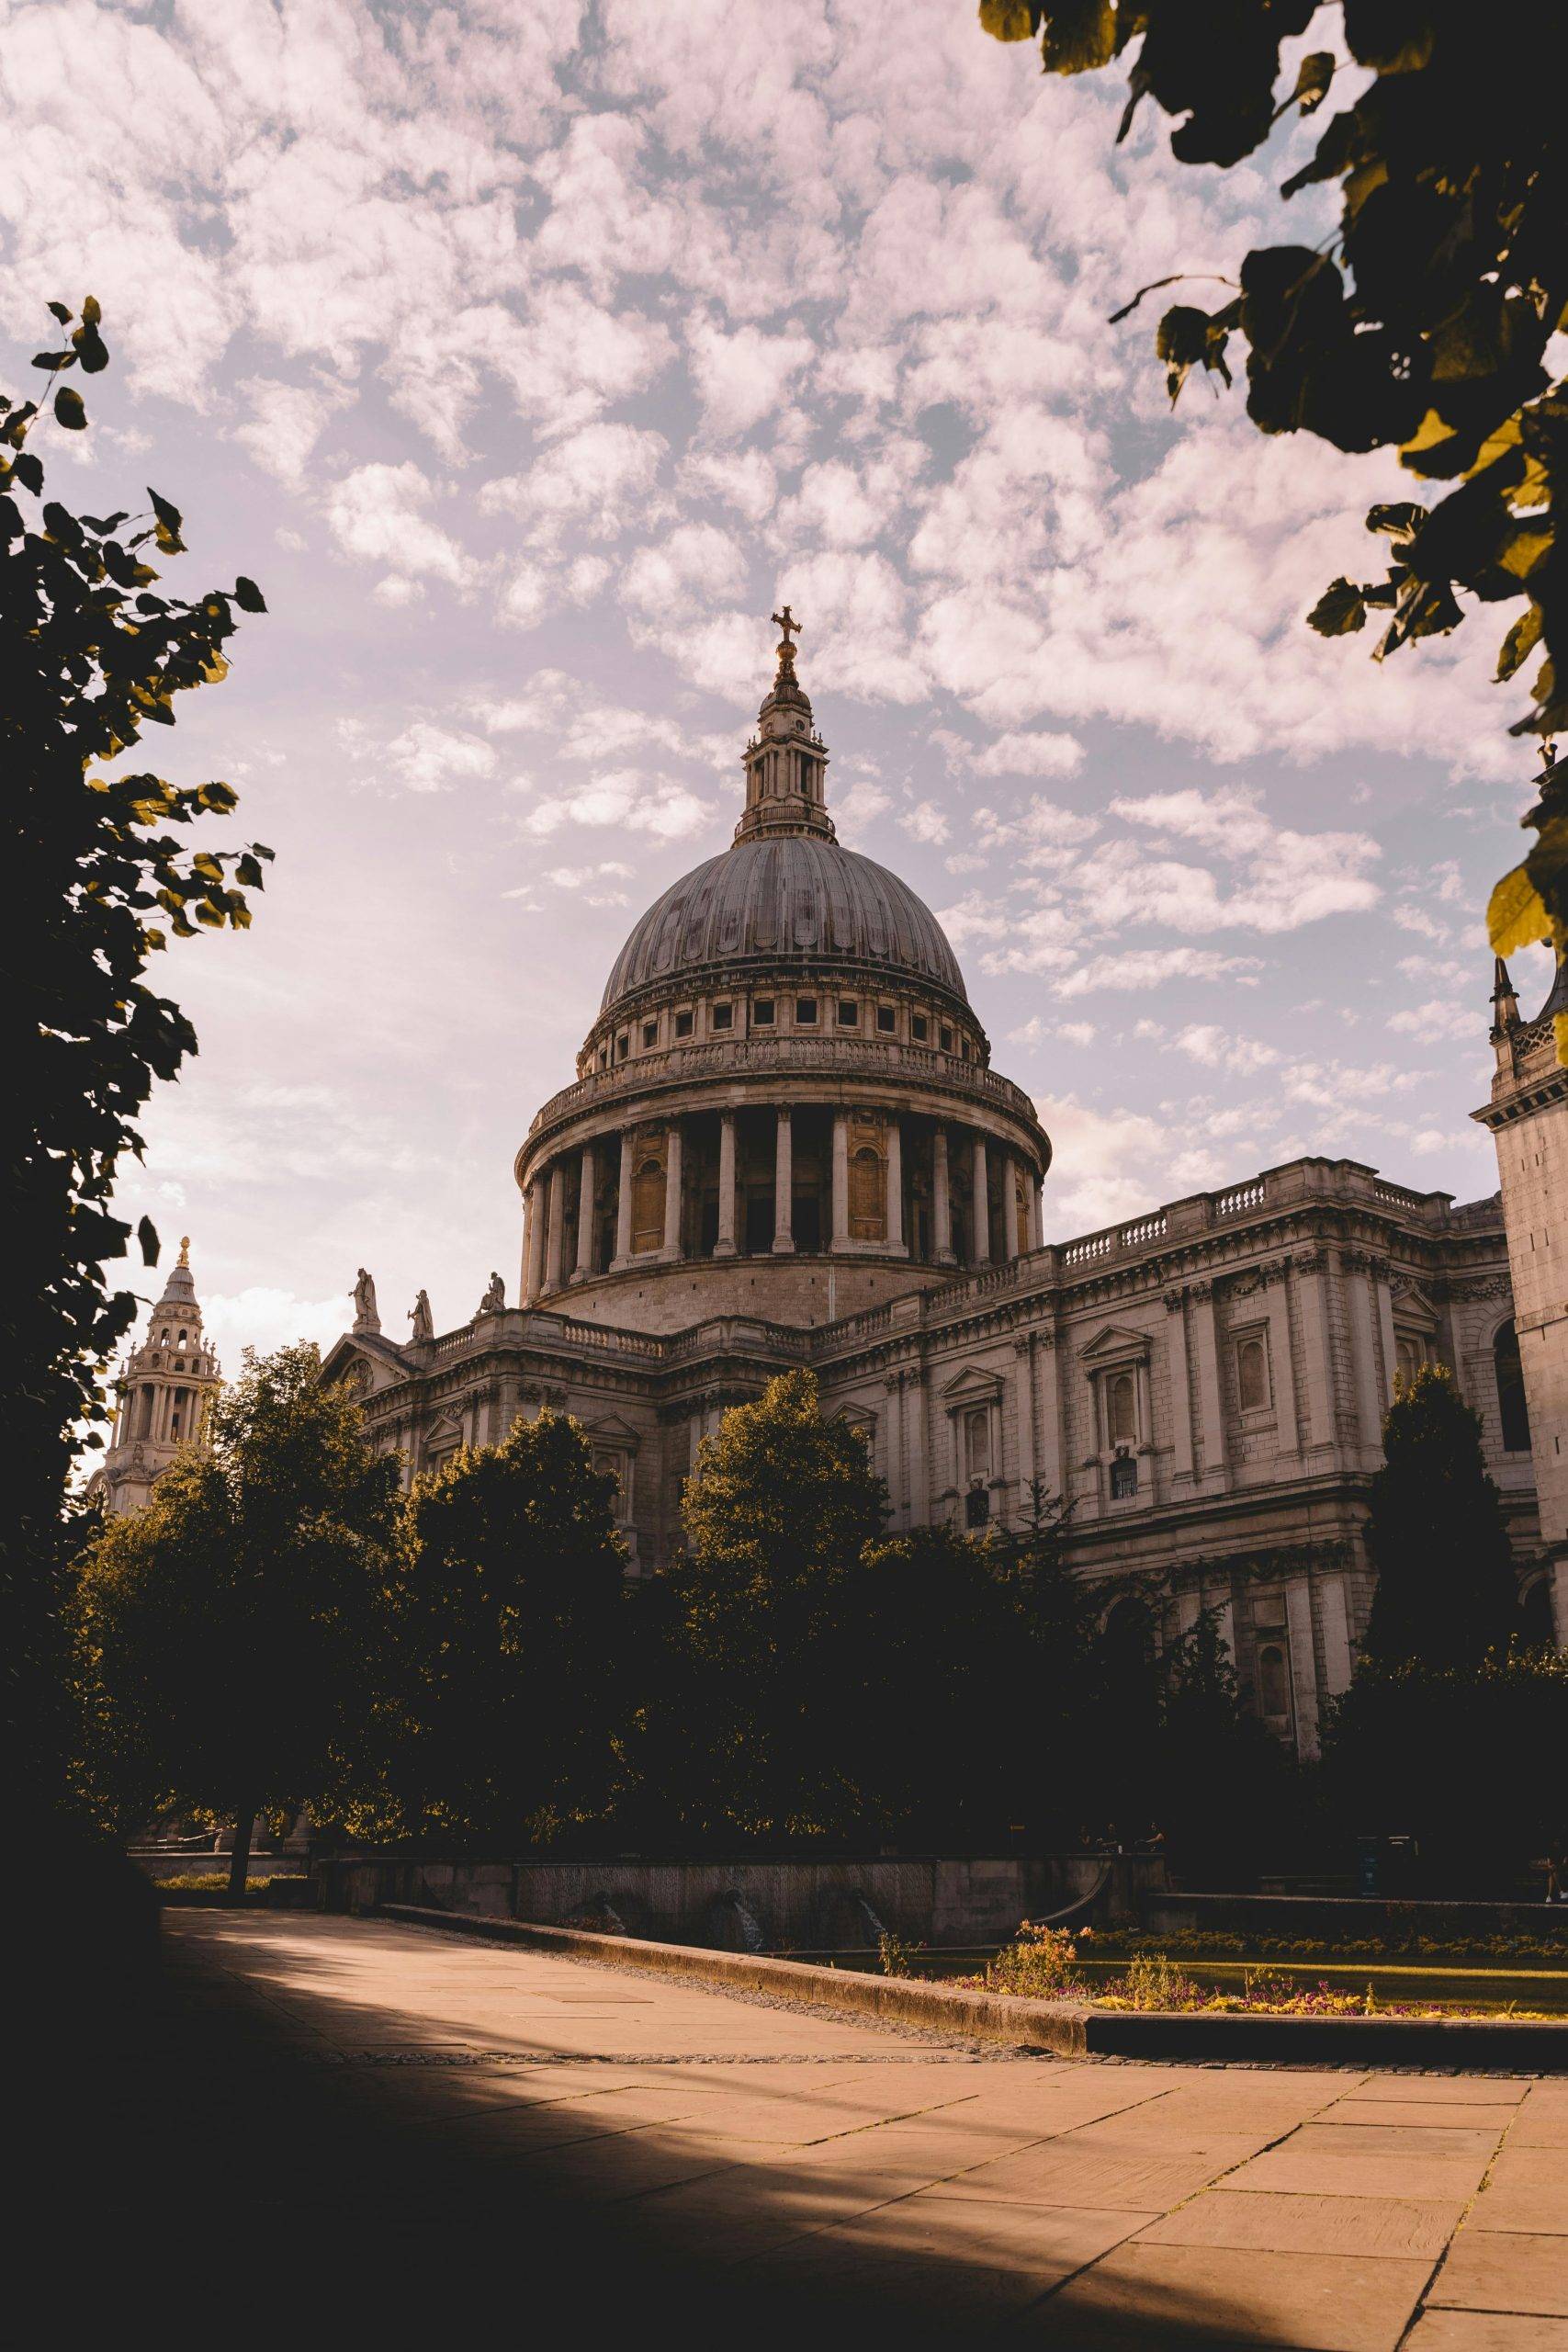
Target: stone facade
x=785 y=1146
x=163 y=1393
x=1529 y=1118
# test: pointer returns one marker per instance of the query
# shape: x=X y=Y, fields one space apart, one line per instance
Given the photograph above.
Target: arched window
x=1513 y=1411
x=1252 y=1375
x=1409 y=1355
x=1273 y=1681
x=1121 y=1408
x=977 y=1442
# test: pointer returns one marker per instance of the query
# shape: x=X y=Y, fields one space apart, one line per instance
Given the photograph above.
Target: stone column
x=894 y=1218
x=982 y=1204
x=587 y=1203
x=941 y=1198
x=1036 y=1211
x=1205 y=1348
x=555 y=1243
x=784 y=1184
x=840 y=1178
x=673 y=1192
x=536 y=1220
x=1181 y=1392
x=724 y=1247
x=1384 y=1302
x=624 y=1206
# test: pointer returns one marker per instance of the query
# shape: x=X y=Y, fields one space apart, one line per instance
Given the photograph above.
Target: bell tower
x=165 y=1392
x=786 y=760
x=1529 y=1118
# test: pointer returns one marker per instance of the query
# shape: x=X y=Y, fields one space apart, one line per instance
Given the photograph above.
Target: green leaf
x=91 y=349
x=1009 y=19
x=1396 y=522
x=1080 y=35
x=91 y=314
x=1519 y=643
x=60 y=312
x=29 y=471
x=248 y=596
x=1316 y=74
x=1339 y=611
x=69 y=410
x=147 y=1235
x=1515 y=916
x=171 y=523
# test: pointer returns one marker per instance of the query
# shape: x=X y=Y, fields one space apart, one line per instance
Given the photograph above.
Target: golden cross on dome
x=789 y=625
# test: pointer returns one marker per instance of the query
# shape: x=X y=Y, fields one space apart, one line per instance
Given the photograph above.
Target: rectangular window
x=623 y=1046
x=885 y=1019
x=650 y=1032
x=762 y=1012
x=683 y=1025
x=977 y=1442
x=920 y=1028
x=805 y=1012
x=849 y=1012
x=1124 y=1478
x=946 y=1041
x=724 y=1016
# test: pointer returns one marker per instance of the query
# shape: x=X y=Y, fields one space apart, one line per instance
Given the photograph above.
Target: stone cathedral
x=785 y=1145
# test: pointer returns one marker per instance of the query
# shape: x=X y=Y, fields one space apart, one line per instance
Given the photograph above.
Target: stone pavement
x=404 y=2132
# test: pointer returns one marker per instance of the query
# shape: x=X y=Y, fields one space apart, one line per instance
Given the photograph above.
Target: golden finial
x=184 y=1250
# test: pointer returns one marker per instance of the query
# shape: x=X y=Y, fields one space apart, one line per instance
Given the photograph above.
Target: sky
x=527 y=354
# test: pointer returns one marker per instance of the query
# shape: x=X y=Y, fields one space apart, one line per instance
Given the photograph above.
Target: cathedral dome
x=774 y=896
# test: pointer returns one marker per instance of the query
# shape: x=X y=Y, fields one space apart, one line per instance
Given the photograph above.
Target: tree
x=776 y=1515
x=1423 y=323
x=232 y=1632
x=1466 y=1758
x=509 y=1601
x=1222 y=1786
x=91 y=651
x=1435 y=1534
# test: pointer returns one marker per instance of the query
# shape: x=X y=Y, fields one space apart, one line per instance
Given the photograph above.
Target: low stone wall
x=1311 y=1918
x=1066 y=2029
x=827 y=1905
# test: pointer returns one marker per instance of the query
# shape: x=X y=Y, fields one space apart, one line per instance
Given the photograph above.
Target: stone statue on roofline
x=365 y=1316
x=494 y=1300
x=422 y=1321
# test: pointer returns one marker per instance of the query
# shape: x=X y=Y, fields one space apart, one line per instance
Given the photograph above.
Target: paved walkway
x=444 y=2128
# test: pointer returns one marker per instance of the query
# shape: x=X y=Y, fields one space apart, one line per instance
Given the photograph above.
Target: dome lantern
x=786 y=760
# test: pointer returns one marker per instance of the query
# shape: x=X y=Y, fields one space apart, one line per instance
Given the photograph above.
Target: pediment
x=973 y=1386
x=381 y=1358
x=612 y=1430
x=1415 y=1311
x=1115 y=1343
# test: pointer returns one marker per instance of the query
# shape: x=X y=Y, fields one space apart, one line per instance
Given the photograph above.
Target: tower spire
x=1505 y=1003
x=786 y=760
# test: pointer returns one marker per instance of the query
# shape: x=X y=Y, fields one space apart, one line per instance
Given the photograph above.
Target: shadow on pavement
x=196 y=2164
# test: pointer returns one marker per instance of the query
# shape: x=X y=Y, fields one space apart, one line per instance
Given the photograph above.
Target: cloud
x=1288 y=879
x=1153 y=967
x=599 y=482
x=378 y=514
x=428 y=758
x=741 y=378
x=264 y=1316
x=627 y=799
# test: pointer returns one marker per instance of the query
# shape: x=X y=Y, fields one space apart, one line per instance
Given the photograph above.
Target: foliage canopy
x=1436 y=1534
x=1423 y=323
x=92 y=651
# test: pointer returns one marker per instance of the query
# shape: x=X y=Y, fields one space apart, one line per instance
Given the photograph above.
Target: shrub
x=1041 y=1963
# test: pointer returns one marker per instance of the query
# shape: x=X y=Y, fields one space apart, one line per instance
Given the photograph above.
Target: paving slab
x=463 y=2116
x=1277 y=2224
x=1146 y=2295
x=1486 y=2331
x=1497 y=2271
x=1525 y=2189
